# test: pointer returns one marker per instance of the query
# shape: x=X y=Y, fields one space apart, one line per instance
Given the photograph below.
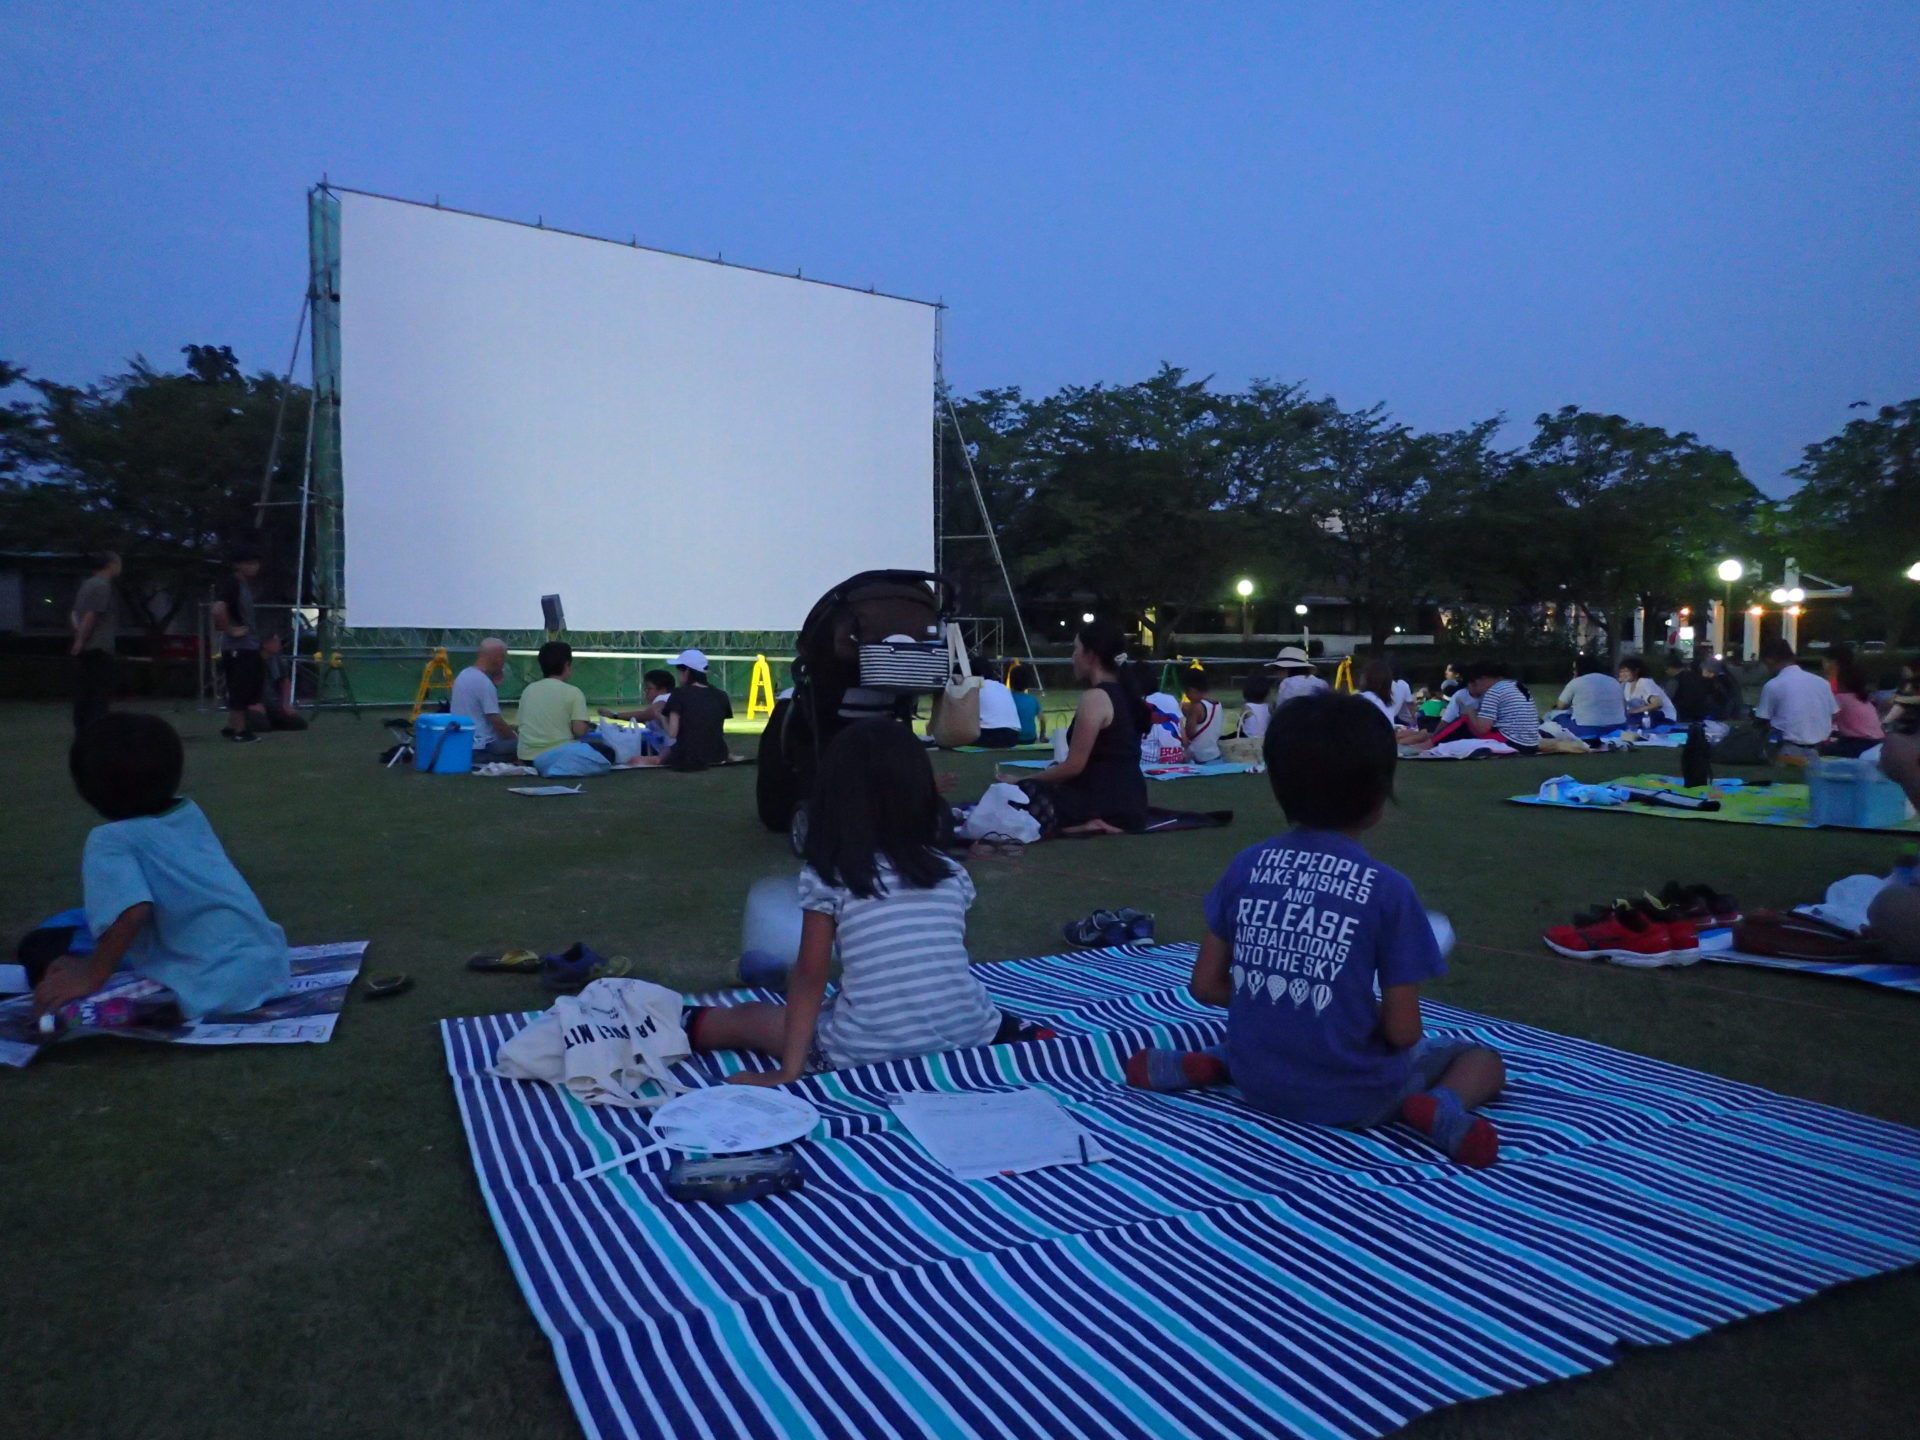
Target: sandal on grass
x=518 y=962
x=380 y=987
x=579 y=965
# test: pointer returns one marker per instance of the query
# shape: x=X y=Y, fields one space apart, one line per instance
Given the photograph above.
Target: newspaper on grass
x=305 y=1015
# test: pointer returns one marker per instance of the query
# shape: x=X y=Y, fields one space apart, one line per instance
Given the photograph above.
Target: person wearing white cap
x=1295 y=670
x=696 y=717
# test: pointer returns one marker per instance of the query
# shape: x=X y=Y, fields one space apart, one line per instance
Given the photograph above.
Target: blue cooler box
x=443 y=744
x=1853 y=792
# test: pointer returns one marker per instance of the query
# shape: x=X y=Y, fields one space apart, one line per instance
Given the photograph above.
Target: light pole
x=1244 y=589
x=1306 y=637
x=1729 y=571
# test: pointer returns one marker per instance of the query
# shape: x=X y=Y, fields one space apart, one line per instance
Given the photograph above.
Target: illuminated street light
x=1086 y=618
x=1796 y=595
x=1731 y=570
x=1299 y=609
x=1244 y=589
x=1757 y=611
x=1779 y=595
x=1913 y=571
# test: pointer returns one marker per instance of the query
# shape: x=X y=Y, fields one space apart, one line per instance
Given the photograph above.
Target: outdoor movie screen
x=666 y=442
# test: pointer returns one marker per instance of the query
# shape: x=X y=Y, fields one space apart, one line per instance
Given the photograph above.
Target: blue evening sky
x=1705 y=216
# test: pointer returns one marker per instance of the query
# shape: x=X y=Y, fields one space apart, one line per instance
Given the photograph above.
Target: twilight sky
x=1704 y=216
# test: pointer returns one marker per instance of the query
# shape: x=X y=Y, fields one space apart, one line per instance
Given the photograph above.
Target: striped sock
x=1176 y=1069
x=1465 y=1136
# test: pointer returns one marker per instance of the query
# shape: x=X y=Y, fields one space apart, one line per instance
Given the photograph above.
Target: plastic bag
x=1002 y=814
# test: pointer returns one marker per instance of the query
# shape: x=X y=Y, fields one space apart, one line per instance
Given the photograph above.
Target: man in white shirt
x=476 y=695
x=1799 y=706
x=999 y=716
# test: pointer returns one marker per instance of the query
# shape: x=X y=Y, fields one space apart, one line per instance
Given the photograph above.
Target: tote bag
x=956 y=709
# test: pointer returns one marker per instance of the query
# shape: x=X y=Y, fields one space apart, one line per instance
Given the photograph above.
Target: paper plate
x=730 y=1119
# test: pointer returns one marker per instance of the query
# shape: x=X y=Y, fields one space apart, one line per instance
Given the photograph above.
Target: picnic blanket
x=1225 y=1275
x=1740 y=804
x=1162 y=772
x=1893 y=977
x=322 y=975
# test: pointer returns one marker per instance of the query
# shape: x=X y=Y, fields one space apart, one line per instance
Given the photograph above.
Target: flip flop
x=517 y=962
x=578 y=965
x=381 y=987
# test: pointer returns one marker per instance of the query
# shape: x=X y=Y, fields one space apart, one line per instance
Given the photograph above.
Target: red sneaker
x=1625 y=937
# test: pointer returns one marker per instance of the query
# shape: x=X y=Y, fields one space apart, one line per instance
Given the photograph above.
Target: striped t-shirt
x=1511 y=712
x=906 y=985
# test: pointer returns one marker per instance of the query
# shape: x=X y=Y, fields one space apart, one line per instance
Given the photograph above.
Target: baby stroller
x=870 y=647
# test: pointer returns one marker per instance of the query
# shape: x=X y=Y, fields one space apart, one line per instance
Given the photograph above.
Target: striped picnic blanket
x=1227 y=1275
x=1893 y=977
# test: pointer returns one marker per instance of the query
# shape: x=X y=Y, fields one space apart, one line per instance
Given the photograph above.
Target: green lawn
x=289 y=1241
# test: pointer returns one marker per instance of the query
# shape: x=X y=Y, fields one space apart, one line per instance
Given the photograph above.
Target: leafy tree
x=163 y=467
x=1643 y=512
x=1120 y=491
x=1856 y=516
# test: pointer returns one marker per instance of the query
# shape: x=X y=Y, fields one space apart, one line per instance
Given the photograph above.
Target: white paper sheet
x=980 y=1135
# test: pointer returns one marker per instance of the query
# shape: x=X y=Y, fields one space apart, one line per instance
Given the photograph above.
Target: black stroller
x=870 y=647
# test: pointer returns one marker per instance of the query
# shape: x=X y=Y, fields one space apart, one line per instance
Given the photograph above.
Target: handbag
x=956 y=709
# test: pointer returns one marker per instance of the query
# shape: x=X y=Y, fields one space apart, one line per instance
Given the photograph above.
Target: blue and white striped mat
x=1892 y=977
x=1228 y=1275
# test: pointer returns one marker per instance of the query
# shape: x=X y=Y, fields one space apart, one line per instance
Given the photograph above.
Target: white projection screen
x=665 y=442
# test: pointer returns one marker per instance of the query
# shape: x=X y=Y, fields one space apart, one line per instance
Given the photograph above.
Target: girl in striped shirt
x=876 y=886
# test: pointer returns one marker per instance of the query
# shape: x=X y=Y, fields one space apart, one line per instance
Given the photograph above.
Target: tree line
x=1158 y=496
x=1153 y=497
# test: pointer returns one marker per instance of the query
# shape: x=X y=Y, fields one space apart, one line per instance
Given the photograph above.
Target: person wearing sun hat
x=696 y=717
x=1294 y=669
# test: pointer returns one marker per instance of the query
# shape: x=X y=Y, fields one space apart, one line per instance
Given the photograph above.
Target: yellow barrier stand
x=1343 y=676
x=429 y=681
x=760 y=689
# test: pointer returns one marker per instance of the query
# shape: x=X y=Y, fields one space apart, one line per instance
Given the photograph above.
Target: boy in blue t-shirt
x=1299 y=930
x=161 y=894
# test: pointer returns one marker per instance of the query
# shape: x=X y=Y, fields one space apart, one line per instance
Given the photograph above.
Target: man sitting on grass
x=476 y=697
x=553 y=710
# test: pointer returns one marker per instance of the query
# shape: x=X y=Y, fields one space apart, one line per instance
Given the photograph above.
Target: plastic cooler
x=1854 y=792
x=443 y=744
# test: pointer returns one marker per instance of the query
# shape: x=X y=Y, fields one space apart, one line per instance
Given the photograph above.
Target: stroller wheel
x=797 y=830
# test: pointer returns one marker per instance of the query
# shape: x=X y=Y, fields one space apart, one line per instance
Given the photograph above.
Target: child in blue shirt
x=161 y=894
x=1300 y=929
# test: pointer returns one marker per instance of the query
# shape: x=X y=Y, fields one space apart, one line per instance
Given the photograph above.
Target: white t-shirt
x=1253 y=720
x=997 y=710
x=475 y=696
x=1595 y=699
x=1390 y=709
x=1646 y=692
x=1297 y=684
x=1165 y=740
x=1800 y=706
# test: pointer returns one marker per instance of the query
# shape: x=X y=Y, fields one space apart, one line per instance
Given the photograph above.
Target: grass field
x=289 y=1241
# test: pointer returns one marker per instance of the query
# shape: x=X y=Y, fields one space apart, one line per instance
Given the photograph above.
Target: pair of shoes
x=1701 y=904
x=1642 y=934
x=579 y=965
x=1106 y=928
x=238 y=737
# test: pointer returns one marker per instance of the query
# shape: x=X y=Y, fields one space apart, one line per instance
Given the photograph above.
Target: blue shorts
x=1428 y=1061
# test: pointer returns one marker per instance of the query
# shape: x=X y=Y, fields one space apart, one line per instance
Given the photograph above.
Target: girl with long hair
x=1098 y=789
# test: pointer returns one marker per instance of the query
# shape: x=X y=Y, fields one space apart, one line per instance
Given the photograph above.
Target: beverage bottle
x=1696 y=757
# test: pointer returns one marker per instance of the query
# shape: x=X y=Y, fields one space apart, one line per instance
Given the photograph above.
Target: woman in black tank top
x=1099 y=788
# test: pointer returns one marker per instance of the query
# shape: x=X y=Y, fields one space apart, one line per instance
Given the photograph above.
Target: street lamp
x=1913 y=571
x=1244 y=589
x=1306 y=636
x=1729 y=571
x=1086 y=617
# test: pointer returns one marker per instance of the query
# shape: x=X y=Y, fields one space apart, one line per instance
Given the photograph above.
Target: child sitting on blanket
x=1298 y=931
x=161 y=894
x=876 y=885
